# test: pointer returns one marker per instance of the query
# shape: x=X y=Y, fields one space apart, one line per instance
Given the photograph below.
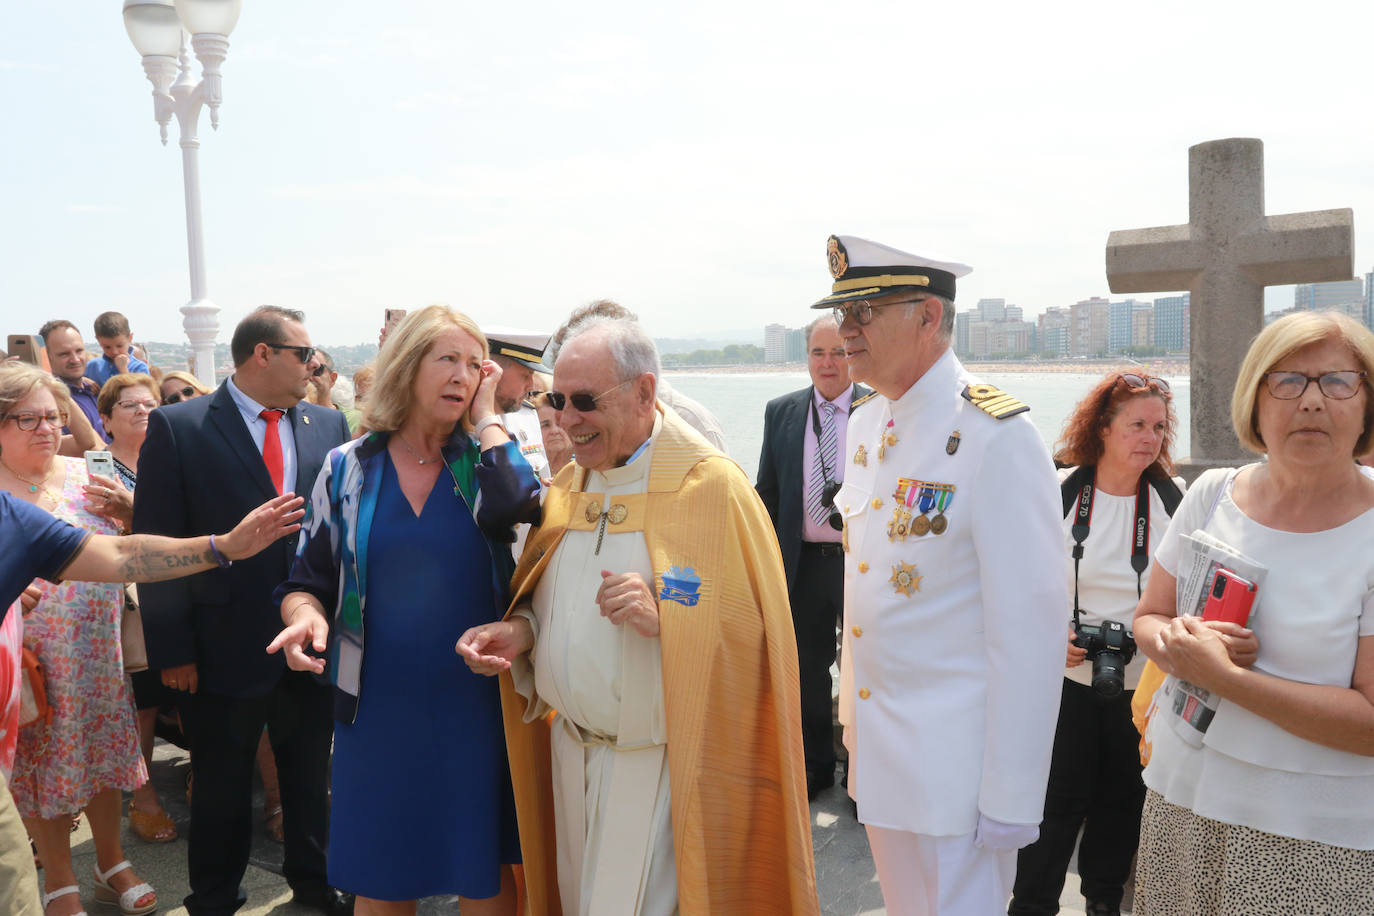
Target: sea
x=738 y=399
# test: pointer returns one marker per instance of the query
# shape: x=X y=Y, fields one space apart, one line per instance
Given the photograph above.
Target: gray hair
x=600 y=308
x=811 y=328
x=632 y=349
x=946 y=313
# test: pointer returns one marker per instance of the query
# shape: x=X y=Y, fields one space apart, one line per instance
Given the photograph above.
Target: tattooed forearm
x=148 y=558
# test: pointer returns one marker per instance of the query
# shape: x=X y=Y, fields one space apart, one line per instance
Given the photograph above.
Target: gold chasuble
x=740 y=821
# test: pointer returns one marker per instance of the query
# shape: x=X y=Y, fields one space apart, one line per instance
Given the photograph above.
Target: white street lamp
x=158 y=29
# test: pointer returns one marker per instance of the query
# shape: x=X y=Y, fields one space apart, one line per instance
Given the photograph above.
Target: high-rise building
x=1369 y=300
x=775 y=343
x=991 y=309
x=1172 y=329
x=1122 y=322
x=796 y=345
x=1143 y=327
x=961 y=325
x=1089 y=322
x=1053 y=335
x=1346 y=296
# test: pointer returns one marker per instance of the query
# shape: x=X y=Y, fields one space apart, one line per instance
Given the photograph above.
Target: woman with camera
x=1115 y=453
x=1270 y=807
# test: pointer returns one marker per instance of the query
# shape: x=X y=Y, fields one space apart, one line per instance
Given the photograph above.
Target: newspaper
x=1192 y=708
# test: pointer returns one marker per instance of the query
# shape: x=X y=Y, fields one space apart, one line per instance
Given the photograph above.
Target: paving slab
x=847 y=882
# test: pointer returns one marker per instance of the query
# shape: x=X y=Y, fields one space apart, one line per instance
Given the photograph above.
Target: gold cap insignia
x=838 y=258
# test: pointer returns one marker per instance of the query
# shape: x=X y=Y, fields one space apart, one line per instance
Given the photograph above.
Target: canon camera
x=1110 y=649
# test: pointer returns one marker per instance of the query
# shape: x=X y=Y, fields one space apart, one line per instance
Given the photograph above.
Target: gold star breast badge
x=905 y=580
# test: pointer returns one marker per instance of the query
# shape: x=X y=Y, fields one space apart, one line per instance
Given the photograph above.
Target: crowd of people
x=529 y=637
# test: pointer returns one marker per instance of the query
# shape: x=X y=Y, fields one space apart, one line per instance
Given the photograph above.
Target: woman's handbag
x=131 y=633
x=33 y=694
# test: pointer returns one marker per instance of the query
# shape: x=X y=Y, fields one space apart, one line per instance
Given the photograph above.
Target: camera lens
x=1109 y=674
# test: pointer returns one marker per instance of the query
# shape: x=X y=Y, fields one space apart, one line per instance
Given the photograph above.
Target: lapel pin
x=305 y=419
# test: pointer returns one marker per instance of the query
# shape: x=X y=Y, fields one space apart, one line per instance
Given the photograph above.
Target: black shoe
x=325 y=899
x=817 y=781
x=1102 y=908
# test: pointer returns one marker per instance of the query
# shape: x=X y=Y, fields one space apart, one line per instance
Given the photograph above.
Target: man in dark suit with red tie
x=204 y=462
x=800 y=469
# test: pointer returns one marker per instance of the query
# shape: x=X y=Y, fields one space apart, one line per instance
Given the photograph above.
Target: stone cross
x=1225 y=256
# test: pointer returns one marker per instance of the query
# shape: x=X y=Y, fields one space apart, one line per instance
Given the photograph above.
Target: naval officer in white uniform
x=955 y=596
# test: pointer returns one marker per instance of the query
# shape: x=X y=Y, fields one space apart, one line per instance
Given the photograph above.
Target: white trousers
x=940 y=875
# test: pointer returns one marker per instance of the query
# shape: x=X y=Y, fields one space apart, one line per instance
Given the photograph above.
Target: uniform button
x=863 y=567
x=877 y=503
x=857 y=630
x=846 y=510
x=863 y=693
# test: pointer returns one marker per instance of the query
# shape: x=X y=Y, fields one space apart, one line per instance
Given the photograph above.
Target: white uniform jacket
x=523 y=426
x=953 y=642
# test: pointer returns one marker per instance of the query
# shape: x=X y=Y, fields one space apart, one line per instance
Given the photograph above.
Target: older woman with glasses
x=87 y=754
x=1116 y=476
x=407 y=542
x=1270 y=809
x=178 y=386
x=124 y=403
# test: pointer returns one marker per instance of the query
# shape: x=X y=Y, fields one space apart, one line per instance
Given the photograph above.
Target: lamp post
x=159 y=29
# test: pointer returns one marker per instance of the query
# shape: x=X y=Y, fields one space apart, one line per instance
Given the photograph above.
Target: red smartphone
x=1231 y=598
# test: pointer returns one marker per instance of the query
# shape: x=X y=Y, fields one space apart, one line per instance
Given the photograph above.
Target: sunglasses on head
x=176 y=397
x=582 y=402
x=1144 y=381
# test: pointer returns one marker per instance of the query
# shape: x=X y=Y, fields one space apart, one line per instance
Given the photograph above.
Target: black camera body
x=1110 y=648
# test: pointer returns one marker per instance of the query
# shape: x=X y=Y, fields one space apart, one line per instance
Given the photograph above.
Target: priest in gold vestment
x=648 y=665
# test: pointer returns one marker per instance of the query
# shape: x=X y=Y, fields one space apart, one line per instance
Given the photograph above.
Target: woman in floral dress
x=88 y=753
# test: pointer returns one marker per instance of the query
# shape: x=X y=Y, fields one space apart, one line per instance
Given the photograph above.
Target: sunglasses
x=305 y=353
x=176 y=397
x=583 y=402
x=320 y=370
x=1144 y=381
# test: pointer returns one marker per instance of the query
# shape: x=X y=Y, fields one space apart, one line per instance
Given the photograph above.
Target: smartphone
x=99 y=462
x=1230 y=599
x=25 y=348
x=393 y=317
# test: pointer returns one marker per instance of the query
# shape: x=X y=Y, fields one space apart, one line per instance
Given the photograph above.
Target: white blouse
x=1316 y=602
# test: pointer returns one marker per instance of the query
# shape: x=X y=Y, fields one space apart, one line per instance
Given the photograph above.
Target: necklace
x=35 y=485
x=416 y=455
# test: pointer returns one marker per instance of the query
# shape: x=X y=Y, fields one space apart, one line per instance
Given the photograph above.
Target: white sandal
x=62 y=892
x=127 y=901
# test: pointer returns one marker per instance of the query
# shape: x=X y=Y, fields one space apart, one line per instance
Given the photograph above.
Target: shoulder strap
x=1168 y=491
x=993 y=401
x=1069 y=489
x=863 y=400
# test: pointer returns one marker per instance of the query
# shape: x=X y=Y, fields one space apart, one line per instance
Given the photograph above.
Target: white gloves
x=1000 y=837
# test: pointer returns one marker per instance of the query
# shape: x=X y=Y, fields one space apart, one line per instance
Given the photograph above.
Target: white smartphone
x=100 y=462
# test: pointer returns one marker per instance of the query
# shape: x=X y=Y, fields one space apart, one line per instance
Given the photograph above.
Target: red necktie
x=271 y=447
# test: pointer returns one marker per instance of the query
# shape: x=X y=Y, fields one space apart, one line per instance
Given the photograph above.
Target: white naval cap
x=862 y=269
x=525 y=347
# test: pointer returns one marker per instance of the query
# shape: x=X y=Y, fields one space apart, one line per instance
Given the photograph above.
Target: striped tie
x=826 y=450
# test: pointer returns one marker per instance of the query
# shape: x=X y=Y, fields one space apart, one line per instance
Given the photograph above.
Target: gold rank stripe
x=520 y=354
x=994 y=402
x=863 y=400
x=844 y=286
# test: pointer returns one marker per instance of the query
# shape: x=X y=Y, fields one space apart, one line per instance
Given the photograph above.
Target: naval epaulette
x=993 y=401
x=863 y=400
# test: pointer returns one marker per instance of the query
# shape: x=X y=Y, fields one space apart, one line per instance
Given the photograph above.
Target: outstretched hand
x=307 y=627
x=626 y=598
x=490 y=648
x=274 y=519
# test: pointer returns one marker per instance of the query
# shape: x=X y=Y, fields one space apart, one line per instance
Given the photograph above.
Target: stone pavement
x=844 y=869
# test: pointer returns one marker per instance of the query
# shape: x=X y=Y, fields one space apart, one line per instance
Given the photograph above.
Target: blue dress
x=422 y=801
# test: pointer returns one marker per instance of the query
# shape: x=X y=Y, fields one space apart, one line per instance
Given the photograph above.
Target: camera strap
x=1086 y=480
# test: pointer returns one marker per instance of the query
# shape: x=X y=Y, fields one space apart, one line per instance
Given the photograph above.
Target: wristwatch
x=493 y=420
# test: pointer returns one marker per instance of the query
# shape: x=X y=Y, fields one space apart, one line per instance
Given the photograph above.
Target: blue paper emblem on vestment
x=681 y=585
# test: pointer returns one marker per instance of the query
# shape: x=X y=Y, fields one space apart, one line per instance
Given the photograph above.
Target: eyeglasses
x=28 y=422
x=305 y=353
x=176 y=397
x=320 y=370
x=582 y=401
x=1338 y=386
x=862 y=309
x=147 y=404
x=1144 y=381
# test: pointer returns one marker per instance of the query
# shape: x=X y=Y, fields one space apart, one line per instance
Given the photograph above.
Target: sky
x=686 y=160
